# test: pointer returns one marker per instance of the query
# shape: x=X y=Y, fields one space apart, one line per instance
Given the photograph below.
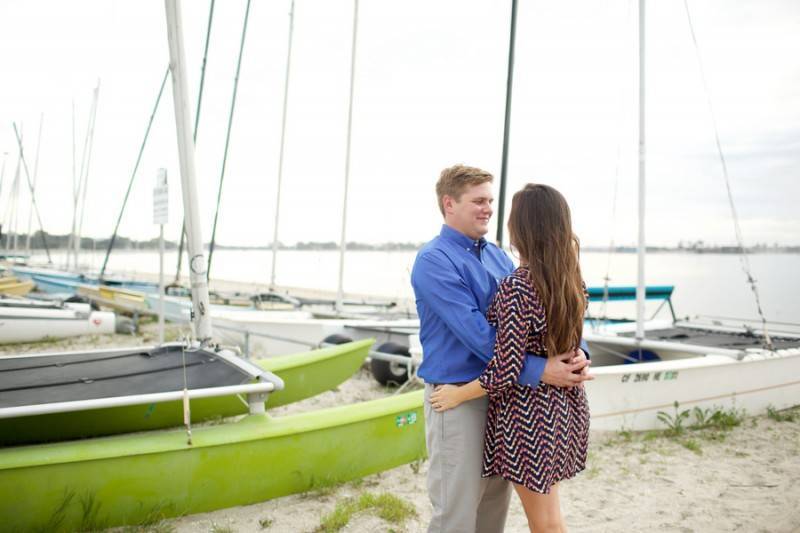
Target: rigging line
x=501 y=201
x=8 y=217
x=187 y=413
x=133 y=174
x=280 y=153
x=743 y=258
x=343 y=242
x=33 y=196
x=194 y=134
x=85 y=171
x=607 y=278
x=70 y=245
x=35 y=175
x=227 y=141
x=9 y=203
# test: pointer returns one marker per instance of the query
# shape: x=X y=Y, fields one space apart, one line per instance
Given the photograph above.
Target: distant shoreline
x=61 y=242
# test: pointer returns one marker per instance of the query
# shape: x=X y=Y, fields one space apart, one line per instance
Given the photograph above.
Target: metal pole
x=35 y=174
x=11 y=204
x=33 y=196
x=640 y=287
x=343 y=242
x=75 y=193
x=12 y=211
x=180 y=92
x=501 y=201
x=194 y=135
x=280 y=156
x=84 y=178
x=161 y=283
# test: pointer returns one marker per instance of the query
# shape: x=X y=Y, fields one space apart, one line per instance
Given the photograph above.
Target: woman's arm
x=450 y=396
x=514 y=304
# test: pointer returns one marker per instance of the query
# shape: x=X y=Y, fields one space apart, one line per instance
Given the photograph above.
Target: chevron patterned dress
x=539 y=436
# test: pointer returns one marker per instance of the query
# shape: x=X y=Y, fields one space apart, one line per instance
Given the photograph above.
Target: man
x=455 y=277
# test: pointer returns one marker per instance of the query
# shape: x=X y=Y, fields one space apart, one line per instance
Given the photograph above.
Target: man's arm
x=436 y=280
x=559 y=371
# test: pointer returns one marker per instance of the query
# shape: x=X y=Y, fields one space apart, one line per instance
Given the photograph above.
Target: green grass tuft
x=786 y=415
x=55 y=520
x=386 y=506
x=90 y=514
x=691 y=444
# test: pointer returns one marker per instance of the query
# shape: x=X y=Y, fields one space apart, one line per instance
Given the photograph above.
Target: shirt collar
x=455 y=236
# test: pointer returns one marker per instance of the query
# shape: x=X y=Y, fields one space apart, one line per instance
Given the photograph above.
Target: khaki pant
x=463 y=501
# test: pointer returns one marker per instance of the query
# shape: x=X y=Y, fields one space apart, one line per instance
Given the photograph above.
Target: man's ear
x=447 y=203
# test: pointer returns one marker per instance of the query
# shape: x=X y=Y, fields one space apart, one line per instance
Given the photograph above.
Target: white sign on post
x=161 y=198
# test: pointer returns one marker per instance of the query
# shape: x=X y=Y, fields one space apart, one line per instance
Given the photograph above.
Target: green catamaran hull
x=131 y=479
x=305 y=375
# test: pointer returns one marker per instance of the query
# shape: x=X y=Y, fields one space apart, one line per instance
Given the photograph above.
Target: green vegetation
x=709 y=424
x=386 y=506
x=691 y=444
x=265 y=522
x=53 y=523
x=674 y=422
x=785 y=415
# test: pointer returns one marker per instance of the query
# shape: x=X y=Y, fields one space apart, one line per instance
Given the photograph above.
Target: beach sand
x=743 y=479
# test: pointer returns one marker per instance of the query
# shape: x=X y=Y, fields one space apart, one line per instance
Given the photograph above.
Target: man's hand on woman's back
x=567 y=369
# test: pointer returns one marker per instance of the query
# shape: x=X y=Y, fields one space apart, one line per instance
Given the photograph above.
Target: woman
x=535 y=437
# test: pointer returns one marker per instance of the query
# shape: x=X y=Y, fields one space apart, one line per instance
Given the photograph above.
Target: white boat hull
x=275 y=333
x=629 y=396
x=31 y=325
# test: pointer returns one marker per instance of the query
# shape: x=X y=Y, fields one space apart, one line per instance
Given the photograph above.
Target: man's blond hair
x=453 y=181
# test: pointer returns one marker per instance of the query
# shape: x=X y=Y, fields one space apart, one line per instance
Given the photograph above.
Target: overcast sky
x=429 y=92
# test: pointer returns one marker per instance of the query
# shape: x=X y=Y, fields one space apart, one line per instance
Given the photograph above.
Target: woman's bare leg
x=542 y=510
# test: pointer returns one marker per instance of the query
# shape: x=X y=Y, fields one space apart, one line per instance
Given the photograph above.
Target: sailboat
x=26 y=320
x=11 y=286
x=645 y=367
x=127 y=479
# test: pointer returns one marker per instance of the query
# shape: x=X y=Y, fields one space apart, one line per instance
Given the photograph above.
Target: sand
x=745 y=479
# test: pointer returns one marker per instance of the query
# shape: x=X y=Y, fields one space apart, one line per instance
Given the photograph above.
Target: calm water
x=705 y=284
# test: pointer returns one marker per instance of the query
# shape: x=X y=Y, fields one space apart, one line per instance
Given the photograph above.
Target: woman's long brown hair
x=540 y=228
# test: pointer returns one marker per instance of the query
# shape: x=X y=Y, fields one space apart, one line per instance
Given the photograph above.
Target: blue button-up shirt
x=455 y=279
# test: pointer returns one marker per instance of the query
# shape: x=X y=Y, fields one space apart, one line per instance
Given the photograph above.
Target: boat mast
x=33 y=196
x=183 y=123
x=194 y=134
x=342 y=242
x=640 y=288
x=70 y=243
x=501 y=201
x=84 y=177
x=280 y=154
x=11 y=208
x=35 y=174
